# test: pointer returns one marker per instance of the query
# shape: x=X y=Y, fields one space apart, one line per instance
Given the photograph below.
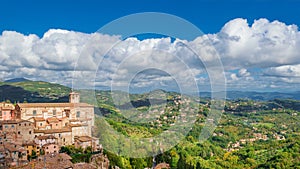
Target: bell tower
x=74 y=97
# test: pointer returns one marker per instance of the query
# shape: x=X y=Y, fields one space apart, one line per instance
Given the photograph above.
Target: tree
x=42 y=152
x=198 y=166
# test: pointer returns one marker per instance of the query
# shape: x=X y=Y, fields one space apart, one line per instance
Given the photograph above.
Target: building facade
x=7 y=111
x=62 y=120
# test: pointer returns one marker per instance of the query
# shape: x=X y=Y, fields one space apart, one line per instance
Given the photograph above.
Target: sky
x=257 y=41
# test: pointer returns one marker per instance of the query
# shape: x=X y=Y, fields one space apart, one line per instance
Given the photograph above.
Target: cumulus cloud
x=262 y=55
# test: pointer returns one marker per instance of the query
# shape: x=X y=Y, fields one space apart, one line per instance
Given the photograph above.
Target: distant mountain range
x=260 y=96
x=17 y=80
x=24 y=90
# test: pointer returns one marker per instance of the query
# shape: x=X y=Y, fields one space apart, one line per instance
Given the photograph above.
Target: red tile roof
x=46 y=137
x=32 y=105
x=51 y=131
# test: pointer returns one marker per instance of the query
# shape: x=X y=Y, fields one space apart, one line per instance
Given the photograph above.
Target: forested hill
x=33 y=91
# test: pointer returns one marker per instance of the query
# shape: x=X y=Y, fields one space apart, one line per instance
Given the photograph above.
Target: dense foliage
x=250 y=134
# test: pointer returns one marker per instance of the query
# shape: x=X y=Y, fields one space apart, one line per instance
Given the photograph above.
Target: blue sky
x=258 y=42
x=37 y=16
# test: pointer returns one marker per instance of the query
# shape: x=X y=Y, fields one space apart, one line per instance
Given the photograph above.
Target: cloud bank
x=261 y=56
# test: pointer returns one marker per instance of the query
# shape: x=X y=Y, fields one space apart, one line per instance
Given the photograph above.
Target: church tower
x=74 y=97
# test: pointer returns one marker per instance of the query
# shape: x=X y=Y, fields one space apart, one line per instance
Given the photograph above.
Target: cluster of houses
x=28 y=129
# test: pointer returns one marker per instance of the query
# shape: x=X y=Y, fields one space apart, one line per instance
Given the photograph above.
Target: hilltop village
x=35 y=129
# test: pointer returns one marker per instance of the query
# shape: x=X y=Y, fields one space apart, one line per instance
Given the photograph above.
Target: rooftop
x=36 y=105
x=52 y=161
x=51 y=131
x=52 y=120
x=45 y=137
x=83 y=138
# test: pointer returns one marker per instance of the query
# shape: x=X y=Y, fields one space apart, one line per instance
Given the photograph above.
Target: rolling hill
x=33 y=91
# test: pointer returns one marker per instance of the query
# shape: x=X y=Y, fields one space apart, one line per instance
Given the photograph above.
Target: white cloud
x=264 y=54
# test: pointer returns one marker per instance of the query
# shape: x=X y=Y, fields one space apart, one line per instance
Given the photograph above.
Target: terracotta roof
x=50 y=131
x=13 y=121
x=75 y=125
x=48 y=144
x=65 y=156
x=52 y=120
x=45 y=137
x=30 y=105
x=21 y=121
x=9 y=122
x=11 y=147
x=83 y=138
x=83 y=165
x=53 y=161
x=31 y=143
x=38 y=119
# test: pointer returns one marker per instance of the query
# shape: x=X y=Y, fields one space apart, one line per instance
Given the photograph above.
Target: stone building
x=16 y=130
x=74 y=110
x=25 y=130
x=62 y=120
x=50 y=148
x=86 y=141
x=7 y=111
x=15 y=154
x=63 y=135
x=30 y=146
x=42 y=140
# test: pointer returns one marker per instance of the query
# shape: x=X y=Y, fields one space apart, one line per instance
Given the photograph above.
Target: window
x=19 y=132
x=54 y=112
x=59 y=135
x=54 y=146
x=6 y=126
x=41 y=124
x=29 y=132
x=34 y=112
x=56 y=124
x=25 y=124
x=19 y=124
x=12 y=126
x=4 y=113
x=78 y=114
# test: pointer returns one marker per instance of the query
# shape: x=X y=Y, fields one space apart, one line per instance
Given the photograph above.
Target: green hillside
x=33 y=91
x=250 y=134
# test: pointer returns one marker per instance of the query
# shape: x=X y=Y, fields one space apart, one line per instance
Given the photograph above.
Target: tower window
x=78 y=114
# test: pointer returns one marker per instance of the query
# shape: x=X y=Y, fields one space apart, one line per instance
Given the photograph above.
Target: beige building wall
x=26 y=130
x=80 y=131
x=63 y=138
